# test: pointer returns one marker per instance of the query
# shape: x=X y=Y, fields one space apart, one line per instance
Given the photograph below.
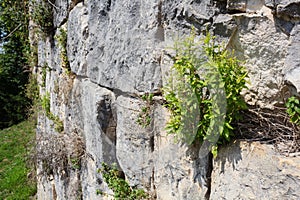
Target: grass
x=16 y=144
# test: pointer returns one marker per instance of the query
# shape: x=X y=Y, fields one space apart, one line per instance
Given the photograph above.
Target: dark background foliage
x=14 y=71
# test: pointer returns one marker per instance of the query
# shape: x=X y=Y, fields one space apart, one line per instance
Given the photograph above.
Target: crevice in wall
x=54 y=192
x=151 y=143
x=208 y=175
x=79 y=193
x=159 y=14
x=233 y=11
x=284 y=26
x=106 y=118
x=153 y=192
x=107 y=121
x=160 y=33
x=108 y=5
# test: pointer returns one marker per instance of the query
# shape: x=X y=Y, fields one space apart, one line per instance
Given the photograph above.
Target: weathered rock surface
x=120 y=50
x=254 y=171
x=292 y=62
x=128 y=42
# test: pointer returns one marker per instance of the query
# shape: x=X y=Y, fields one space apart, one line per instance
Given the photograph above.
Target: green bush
x=118 y=185
x=203 y=91
x=293 y=109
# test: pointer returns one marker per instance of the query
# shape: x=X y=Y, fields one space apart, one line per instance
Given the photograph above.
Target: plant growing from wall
x=76 y=163
x=45 y=67
x=293 y=109
x=118 y=185
x=62 y=43
x=56 y=87
x=203 y=92
x=45 y=102
x=144 y=117
x=32 y=93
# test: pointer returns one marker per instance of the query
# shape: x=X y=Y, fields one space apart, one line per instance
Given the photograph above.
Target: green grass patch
x=16 y=143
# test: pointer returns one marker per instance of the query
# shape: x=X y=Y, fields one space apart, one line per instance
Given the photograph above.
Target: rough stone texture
x=292 y=62
x=237 y=5
x=259 y=42
x=78 y=29
x=119 y=50
x=114 y=55
x=254 y=171
x=61 y=12
x=167 y=170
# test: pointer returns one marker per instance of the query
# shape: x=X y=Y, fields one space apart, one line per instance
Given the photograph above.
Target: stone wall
x=118 y=51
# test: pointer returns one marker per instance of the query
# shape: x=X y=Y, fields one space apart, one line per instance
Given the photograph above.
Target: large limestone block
x=134 y=143
x=122 y=44
x=92 y=110
x=289 y=10
x=263 y=47
x=152 y=159
x=254 y=171
x=77 y=38
x=178 y=171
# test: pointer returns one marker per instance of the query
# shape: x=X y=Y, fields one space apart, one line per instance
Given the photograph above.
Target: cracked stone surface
x=120 y=50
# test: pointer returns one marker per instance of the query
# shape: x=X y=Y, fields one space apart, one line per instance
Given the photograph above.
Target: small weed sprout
x=75 y=163
x=293 y=109
x=144 y=117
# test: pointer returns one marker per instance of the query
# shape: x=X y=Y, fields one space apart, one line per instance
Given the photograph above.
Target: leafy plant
x=293 y=109
x=62 y=42
x=76 y=163
x=203 y=92
x=58 y=124
x=118 y=185
x=45 y=101
x=144 y=117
